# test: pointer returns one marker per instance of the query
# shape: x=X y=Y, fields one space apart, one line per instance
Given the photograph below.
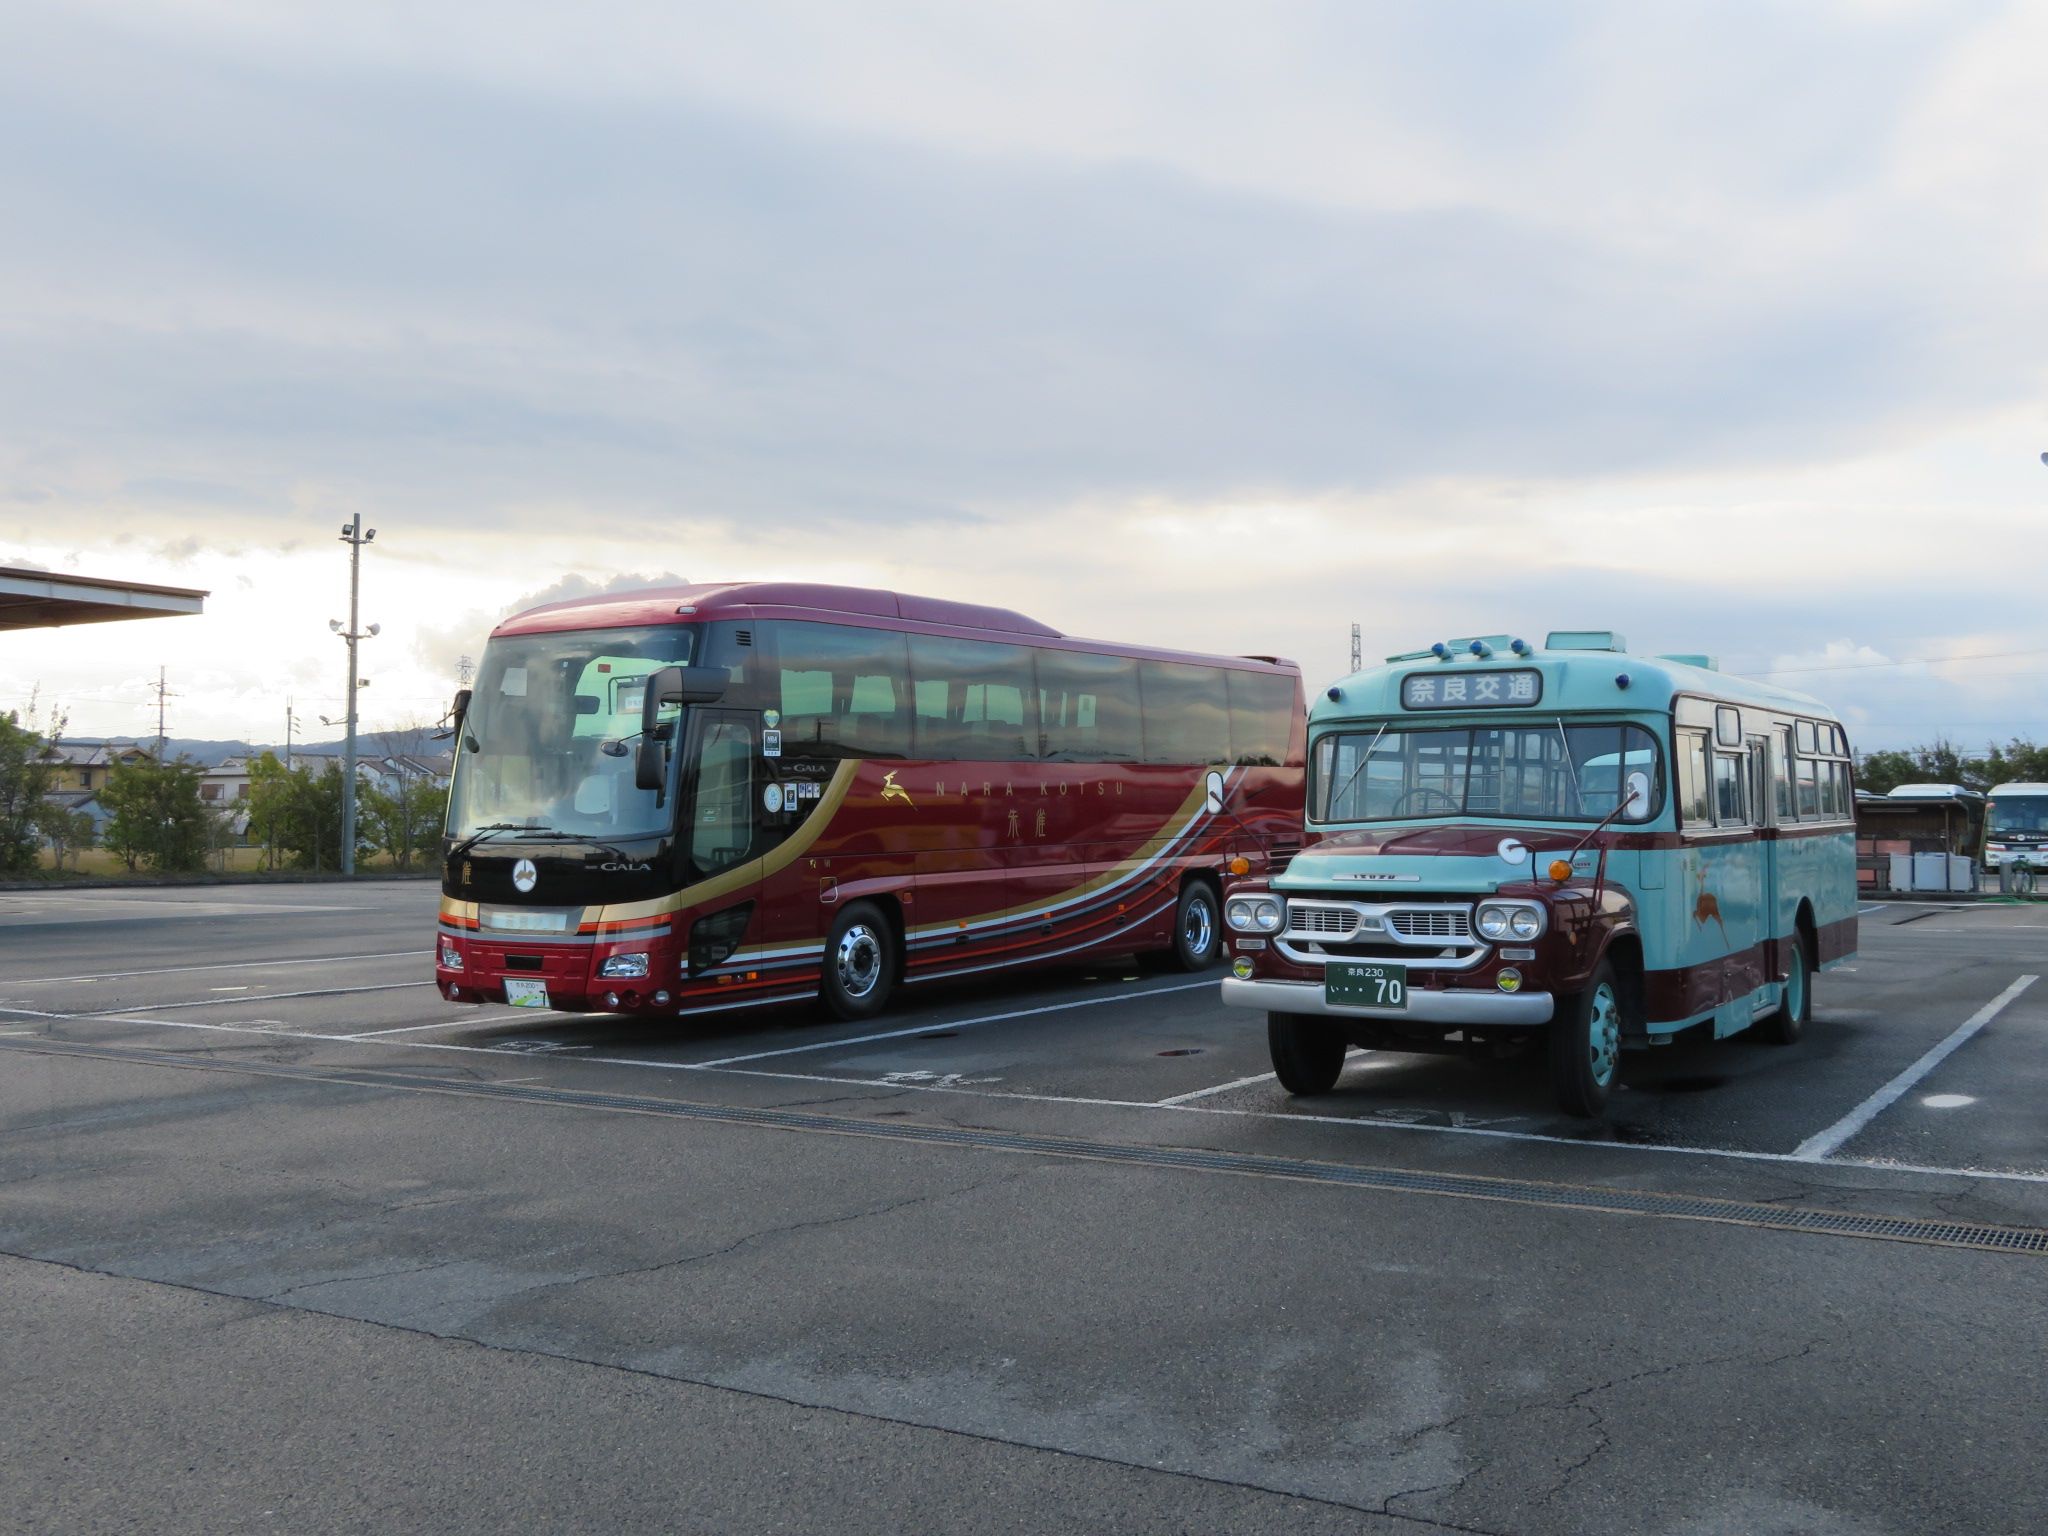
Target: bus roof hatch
x=1584 y=640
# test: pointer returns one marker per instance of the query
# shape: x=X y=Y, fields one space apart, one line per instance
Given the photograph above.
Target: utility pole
x=355 y=536
x=1357 y=650
x=290 y=721
x=464 y=670
x=162 y=693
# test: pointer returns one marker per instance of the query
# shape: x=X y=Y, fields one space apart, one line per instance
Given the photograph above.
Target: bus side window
x=1088 y=707
x=974 y=700
x=1693 y=806
x=1262 y=706
x=722 y=826
x=1187 y=713
x=1729 y=809
x=1781 y=773
x=841 y=690
x=1806 y=778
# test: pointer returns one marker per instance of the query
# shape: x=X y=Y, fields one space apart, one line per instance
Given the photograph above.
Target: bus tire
x=1197 y=927
x=1788 y=1022
x=860 y=963
x=1308 y=1053
x=1585 y=1045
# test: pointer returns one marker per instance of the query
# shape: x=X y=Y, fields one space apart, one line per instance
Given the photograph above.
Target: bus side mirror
x=650 y=765
x=666 y=686
x=1212 y=795
x=1638 y=805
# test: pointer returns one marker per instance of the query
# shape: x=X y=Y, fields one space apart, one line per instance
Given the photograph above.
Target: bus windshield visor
x=1524 y=772
x=548 y=742
x=2018 y=815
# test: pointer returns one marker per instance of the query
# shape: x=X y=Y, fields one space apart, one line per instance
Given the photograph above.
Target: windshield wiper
x=1364 y=758
x=483 y=835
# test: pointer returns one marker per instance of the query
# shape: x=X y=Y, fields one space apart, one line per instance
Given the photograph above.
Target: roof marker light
x=1622 y=680
x=1519 y=647
x=1335 y=693
x=1481 y=649
x=1440 y=651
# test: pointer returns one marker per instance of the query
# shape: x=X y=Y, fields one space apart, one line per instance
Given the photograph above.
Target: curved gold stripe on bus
x=742 y=875
x=1177 y=826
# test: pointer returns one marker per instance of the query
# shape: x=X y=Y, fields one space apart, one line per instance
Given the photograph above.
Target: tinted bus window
x=1261 y=718
x=1088 y=708
x=1187 y=713
x=1781 y=772
x=972 y=700
x=841 y=690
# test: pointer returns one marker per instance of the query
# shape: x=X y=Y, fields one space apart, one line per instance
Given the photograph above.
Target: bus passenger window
x=1729 y=809
x=1693 y=807
x=841 y=690
x=1088 y=708
x=1262 y=708
x=972 y=700
x=1781 y=772
x=1806 y=775
x=1187 y=713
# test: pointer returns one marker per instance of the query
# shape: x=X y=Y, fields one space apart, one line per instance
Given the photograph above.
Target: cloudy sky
x=1217 y=326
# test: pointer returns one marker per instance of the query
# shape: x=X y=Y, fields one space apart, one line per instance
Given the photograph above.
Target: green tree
x=25 y=777
x=296 y=814
x=404 y=822
x=157 y=817
x=69 y=833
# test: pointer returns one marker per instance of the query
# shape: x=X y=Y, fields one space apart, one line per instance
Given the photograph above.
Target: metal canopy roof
x=45 y=599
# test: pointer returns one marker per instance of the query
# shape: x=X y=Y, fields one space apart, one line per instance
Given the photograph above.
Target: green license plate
x=1365 y=984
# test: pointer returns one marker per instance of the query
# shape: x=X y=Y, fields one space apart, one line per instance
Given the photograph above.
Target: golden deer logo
x=891 y=790
x=1707 y=905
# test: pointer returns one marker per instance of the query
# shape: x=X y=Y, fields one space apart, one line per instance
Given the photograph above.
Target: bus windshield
x=531 y=753
x=1528 y=771
x=2017 y=814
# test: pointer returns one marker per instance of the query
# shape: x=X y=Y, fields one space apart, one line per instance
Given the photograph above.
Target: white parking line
x=930 y=1025
x=1819 y=1145
x=238 y=965
x=1203 y=1093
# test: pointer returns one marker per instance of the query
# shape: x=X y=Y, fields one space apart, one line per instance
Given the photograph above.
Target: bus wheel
x=1308 y=1054
x=860 y=963
x=1789 y=1022
x=1197 y=928
x=1585 y=1046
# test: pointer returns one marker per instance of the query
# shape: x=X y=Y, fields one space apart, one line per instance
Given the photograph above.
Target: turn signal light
x=1239 y=865
x=1560 y=870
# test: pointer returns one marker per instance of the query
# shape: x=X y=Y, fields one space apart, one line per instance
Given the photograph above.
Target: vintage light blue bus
x=1565 y=846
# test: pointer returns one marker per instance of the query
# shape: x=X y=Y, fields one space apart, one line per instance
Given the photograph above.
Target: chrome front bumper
x=1477 y=1009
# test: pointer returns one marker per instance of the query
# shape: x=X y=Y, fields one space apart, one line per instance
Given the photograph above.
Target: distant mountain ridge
x=208 y=753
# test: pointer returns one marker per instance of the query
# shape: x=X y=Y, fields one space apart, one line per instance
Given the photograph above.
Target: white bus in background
x=2016 y=825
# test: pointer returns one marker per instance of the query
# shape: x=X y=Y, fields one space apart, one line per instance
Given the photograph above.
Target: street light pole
x=355 y=535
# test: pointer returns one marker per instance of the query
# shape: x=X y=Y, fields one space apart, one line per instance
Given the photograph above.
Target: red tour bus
x=731 y=795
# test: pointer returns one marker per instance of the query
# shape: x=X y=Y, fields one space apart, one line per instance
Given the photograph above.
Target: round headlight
x=1525 y=922
x=1267 y=915
x=1493 y=922
x=1239 y=915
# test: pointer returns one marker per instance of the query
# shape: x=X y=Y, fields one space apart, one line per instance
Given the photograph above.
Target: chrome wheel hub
x=1198 y=932
x=858 y=960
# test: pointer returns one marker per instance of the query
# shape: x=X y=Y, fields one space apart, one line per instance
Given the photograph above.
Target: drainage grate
x=1946 y=1234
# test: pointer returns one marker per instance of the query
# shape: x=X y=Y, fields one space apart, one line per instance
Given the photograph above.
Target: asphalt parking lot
x=294 y=1243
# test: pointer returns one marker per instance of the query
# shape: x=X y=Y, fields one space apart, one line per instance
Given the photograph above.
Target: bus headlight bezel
x=630 y=967
x=1501 y=922
x=1253 y=914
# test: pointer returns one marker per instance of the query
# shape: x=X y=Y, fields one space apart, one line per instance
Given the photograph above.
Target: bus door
x=721 y=799
x=1764 y=775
